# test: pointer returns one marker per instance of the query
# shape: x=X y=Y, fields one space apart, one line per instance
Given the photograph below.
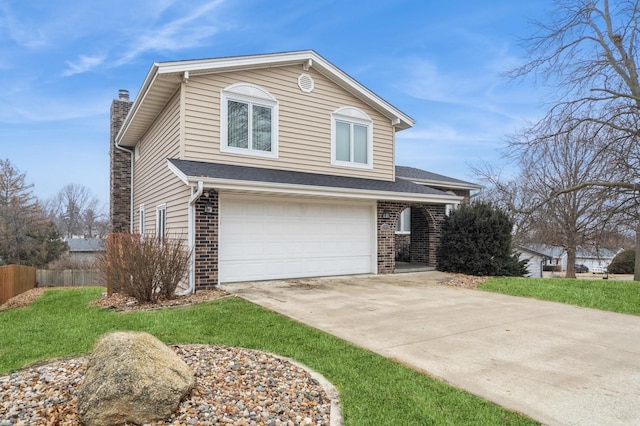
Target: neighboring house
x=271 y=166
x=85 y=249
x=540 y=255
x=592 y=258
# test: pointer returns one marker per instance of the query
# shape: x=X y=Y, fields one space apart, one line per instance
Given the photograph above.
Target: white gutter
x=314 y=191
x=191 y=239
x=121 y=148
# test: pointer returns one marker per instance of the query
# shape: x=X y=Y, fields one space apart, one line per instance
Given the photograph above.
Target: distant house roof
x=599 y=253
x=581 y=253
x=429 y=178
x=221 y=175
x=78 y=245
x=544 y=250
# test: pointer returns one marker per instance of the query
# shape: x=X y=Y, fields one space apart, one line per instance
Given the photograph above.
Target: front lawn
x=373 y=390
x=606 y=295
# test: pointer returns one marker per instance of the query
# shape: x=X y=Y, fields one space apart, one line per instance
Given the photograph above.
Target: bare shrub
x=144 y=268
x=68 y=262
x=173 y=266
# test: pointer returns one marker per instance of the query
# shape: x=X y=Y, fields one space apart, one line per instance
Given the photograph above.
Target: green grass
x=606 y=295
x=373 y=389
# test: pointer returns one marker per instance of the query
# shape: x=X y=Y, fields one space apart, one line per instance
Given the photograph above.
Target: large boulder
x=132 y=377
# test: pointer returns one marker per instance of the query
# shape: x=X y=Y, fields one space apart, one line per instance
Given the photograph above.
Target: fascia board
x=181 y=175
x=319 y=191
x=142 y=94
x=233 y=62
x=346 y=80
x=442 y=183
x=281 y=59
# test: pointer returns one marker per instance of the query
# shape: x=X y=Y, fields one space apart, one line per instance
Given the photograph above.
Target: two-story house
x=271 y=166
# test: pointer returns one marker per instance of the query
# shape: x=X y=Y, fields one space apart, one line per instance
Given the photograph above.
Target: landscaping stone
x=274 y=391
x=132 y=377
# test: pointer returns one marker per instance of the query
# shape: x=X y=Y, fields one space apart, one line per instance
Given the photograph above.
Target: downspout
x=191 y=239
x=121 y=148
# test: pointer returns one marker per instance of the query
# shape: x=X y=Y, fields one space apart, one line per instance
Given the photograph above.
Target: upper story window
x=351 y=138
x=249 y=121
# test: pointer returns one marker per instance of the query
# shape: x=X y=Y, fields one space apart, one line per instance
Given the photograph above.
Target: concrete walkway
x=559 y=364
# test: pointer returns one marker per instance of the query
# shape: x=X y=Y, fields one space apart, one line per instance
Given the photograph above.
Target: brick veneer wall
x=386 y=235
x=120 y=170
x=429 y=230
x=426 y=226
x=206 y=240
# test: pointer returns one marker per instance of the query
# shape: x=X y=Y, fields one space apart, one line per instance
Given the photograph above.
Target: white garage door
x=262 y=238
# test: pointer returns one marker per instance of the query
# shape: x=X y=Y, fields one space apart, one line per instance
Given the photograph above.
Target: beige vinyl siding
x=154 y=183
x=304 y=141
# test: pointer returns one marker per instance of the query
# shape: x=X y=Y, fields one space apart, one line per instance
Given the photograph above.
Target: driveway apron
x=559 y=364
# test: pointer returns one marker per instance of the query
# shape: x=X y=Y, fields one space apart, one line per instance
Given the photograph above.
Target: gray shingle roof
x=85 y=244
x=255 y=174
x=413 y=173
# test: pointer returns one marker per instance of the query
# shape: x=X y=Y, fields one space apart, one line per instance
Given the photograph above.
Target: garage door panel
x=267 y=239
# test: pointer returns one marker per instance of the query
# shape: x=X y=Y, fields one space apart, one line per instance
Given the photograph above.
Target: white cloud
x=21 y=31
x=83 y=64
x=22 y=107
x=181 y=33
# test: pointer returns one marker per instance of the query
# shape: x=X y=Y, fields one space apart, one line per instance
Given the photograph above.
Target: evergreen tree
x=623 y=263
x=27 y=237
x=476 y=240
x=45 y=245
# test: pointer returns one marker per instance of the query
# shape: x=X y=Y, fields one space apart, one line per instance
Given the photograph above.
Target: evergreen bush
x=623 y=263
x=476 y=240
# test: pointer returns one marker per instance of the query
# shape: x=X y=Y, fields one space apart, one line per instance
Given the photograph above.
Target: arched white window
x=248 y=121
x=403 y=225
x=351 y=138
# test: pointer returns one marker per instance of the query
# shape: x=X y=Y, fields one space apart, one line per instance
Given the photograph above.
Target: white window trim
x=401 y=221
x=159 y=209
x=450 y=208
x=253 y=95
x=352 y=115
x=141 y=219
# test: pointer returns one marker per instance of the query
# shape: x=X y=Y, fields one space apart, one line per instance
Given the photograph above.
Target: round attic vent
x=305 y=83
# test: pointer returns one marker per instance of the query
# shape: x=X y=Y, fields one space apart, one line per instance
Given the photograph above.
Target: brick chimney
x=120 y=169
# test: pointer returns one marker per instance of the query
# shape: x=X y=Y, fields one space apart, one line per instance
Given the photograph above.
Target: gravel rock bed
x=233 y=387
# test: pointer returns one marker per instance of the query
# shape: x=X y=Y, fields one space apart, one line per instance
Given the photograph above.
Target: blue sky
x=440 y=62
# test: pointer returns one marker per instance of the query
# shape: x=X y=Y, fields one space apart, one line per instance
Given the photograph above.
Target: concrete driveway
x=559 y=364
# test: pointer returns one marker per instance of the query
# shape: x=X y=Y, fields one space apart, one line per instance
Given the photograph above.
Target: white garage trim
x=263 y=238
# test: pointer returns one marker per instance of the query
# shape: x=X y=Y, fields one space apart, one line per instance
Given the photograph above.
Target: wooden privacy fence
x=68 y=277
x=15 y=279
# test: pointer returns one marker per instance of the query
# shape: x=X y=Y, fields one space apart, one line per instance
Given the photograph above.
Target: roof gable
x=164 y=78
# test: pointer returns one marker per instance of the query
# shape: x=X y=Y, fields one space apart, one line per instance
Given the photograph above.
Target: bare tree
x=27 y=236
x=588 y=53
x=74 y=209
x=95 y=224
x=580 y=218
